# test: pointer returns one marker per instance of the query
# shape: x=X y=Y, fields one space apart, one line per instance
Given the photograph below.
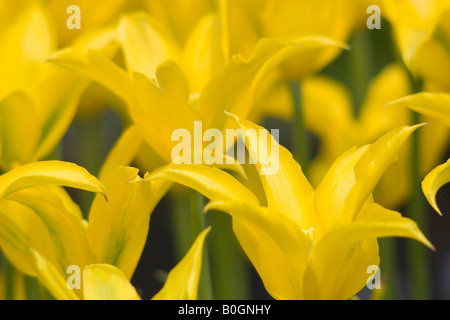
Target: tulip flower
x=29 y=93
x=47 y=233
x=306 y=243
x=422 y=32
x=107 y=282
x=331 y=118
x=157 y=86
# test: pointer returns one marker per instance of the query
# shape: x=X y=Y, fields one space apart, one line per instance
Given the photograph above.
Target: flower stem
x=418 y=255
x=228 y=264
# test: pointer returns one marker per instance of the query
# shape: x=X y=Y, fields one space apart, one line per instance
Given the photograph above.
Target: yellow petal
x=20 y=130
x=94 y=14
x=434 y=181
x=173 y=15
x=106 y=282
x=146 y=43
x=372 y=165
x=97 y=67
x=434 y=105
x=205 y=54
x=66 y=230
x=233 y=88
x=24 y=48
x=287 y=190
x=52 y=279
x=123 y=152
x=330 y=195
x=56 y=103
x=48 y=172
x=335 y=277
x=275 y=245
x=182 y=281
x=170 y=97
x=20 y=230
x=118 y=228
x=213 y=183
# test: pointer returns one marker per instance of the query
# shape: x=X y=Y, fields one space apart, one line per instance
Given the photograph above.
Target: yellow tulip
x=36 y=109
x=47 y=233
x=291 y=20
x=331 y=118
x=107 y=282
x=157 y=85
x=306 y=243
x=422 y=33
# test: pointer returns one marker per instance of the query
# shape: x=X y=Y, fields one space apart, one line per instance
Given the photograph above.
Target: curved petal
x=434 y=105
x=372 y=165
x=49 y=172
x=275 y=245
x=118 y=228
x=97 y=67
x=336 y=247
x=182 y=281
x=434 y=181
x=213 y=183
x=67 y=231
x=287 y=190
x=169 y=98
x=205 y=52
x=233 y=89
x=54 y=281
x=146 y=43
x=330 y=195
x=20 y=230
x=106 y=282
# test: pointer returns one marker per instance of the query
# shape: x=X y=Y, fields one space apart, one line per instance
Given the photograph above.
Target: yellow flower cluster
x=165 y=65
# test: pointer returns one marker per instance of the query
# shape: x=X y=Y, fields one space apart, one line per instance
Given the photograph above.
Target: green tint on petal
x=66 y=230
x=118 y=228
x=54 y=281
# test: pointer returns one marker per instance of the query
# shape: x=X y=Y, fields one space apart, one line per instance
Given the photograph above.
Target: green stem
x=388 y=269
x=418 y=255
x=300 y=135
x=205 y=291
x=9 y=279
x=180 y=218
x=361 y=68
x=89 y=133
x=228 y=262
